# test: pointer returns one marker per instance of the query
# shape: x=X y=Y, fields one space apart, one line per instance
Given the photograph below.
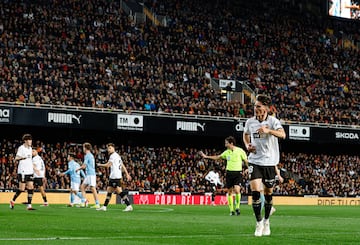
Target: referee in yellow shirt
x=234 y=156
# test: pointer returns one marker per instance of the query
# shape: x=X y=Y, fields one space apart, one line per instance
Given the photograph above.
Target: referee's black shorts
x=233 y=178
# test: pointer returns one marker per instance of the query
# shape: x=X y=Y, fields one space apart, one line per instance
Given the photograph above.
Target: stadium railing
x=165 y=114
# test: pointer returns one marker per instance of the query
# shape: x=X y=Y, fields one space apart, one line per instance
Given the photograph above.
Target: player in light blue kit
x=90 y=179
x=75 y=178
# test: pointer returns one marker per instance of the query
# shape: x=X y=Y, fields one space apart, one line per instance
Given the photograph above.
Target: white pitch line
x=153 y=210
x=161 y=210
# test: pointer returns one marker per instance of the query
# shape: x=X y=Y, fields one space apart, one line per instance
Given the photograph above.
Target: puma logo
x=76 y=118
x=63 y=118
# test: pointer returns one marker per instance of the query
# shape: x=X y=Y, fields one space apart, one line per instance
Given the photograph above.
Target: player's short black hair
x=110 y=144
x=264 y=99
x=27 y=137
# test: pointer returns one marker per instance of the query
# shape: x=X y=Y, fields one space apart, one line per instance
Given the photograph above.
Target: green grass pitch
x=149 y=224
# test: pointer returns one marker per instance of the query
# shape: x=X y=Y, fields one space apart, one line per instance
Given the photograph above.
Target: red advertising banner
x=177 y=199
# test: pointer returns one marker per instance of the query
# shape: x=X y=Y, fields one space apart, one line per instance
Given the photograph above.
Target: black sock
x=107 y=200
x=124 y=197
x=17 y=194
x=30 y=195
x=44 y=198
x=268 y=205
x=126 y=200
x=256 y=203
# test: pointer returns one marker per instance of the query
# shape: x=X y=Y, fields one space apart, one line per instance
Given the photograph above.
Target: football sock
x=268 y=205
x=108 y=197
x=30 y=195
x=79 y=194
x=230 y=202
x=237 y=200
x=72 y=197
x=44 y=198
x=256 y=203
x=213 y=187
x=125 y=198
x=17 y=194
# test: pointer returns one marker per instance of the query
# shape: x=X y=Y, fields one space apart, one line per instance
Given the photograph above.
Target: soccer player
x=235 y=156
x=117 y=167
x=25 y=171
x=214 y=180
x=39 y=174
x=260 y=137
x=75 y=178
x=90 y=179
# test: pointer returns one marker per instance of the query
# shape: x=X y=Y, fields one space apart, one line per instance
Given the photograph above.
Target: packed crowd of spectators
x=175 y=169
x=90 y=53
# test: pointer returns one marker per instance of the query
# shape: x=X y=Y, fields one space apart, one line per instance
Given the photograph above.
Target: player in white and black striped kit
x=260 y=137
x=39 y=175
x=117 y=167
x=25 y=171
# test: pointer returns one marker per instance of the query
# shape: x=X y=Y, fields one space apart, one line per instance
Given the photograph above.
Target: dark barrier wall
x=162 y=124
